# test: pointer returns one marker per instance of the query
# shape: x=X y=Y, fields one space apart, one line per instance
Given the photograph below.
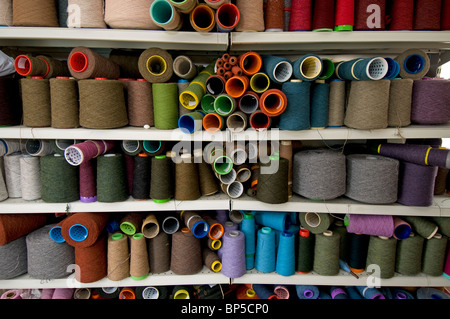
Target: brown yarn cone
x=98 y=66
x=150 y=226
x=36 y=102
x=252 y=15
x=64 y=103
x=32 y=13
x=400 y=98
x=190 y=218
x=186 y=179
x=55 y=67
x=286 y=152
x=211 y=259
x=94 y=222
x=139 y=264
x=92 y=261
x=186 y=253
x=207 y=180
x=14 y=226
x=118 y=257
x=131 y=223
x=140 y=103
x=159 y=252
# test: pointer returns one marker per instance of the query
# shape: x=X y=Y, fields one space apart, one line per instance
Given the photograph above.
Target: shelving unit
x=283 y=43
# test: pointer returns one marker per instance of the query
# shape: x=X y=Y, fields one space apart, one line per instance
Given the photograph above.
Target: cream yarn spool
x=129 y=14
x=86 y=14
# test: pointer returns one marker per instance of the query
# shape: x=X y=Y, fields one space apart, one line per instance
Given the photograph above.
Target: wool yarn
x=155 y=65
x=47 y=259
x=372 y=179
x=337 y=101
x=414 y=64
x=326 y=253
x=30 y=177
x=186 y=256
x=251 y=15
x=91 y=261
x=315 y=223
x=129 y=14
x=427 y=92
x=159 y=252
x=319 y=174
x=382 y=252
x=408 y=260
x=85 y=63
x=13 y=258
x=86 y=14
x=14 y=226
x=400 y=99
x=375 y=225
x=139 y=263
x=233 y=254
x=13 y=175
x=433 y=257
x=83 y=229
x=64 y=103
x=34 y=13
x=7 y=16
x=36 y=111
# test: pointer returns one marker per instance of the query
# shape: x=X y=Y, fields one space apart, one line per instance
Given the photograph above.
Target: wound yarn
x=34 y=13
x=408 y=260
x=251 y=15
x=129 y=14
x=430 y=100
x=400 y=100
x=85 y=63
x=36 y=102
x=86 y=14
x=375 y=225
x=382 y=252
x=13 y=258
x=326 y=253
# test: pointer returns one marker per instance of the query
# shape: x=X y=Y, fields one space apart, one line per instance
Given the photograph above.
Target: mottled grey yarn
x=48 y=259
x=372 y=179
x=319 y=174
x=3 y=189
x=13 y=259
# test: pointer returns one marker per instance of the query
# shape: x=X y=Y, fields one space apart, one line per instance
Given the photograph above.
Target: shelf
x=342 y=279
x=338 y=42
x=18 y=205
x=343 y=205
x=125 y=133
x=110 y=39
x=205 y=276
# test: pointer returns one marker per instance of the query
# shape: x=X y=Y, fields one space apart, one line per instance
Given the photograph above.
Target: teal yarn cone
x=360 y=69
x=165 y=105
x=59 y=180
x=285 y=261
x=308 y=67
x=296 y=117
x=111 y=178
x=275 y=220
x=320 y=92
x=248 y=227
x=265 y=250
x=278 y=69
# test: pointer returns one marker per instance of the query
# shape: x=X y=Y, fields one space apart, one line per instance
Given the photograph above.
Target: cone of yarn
x=422 y=226
x=83 y=229
x=84 y=14
x=408 y=260
x=186 y=179
x=159 y=252
x=191 y=96
x=161 y=180
x=47 y=259
x=30 y=177
x=315 y=223
x=14 y=226
x=376 y=225
x=402 y=13
x=82 y=152
x=63 y=293
x=233 y=254
x=285 y=259
x=140 y=103
x=400 y=99
x=441 y=181
x=84 y=63
x=36 y=102
x=274 y=175
x=91 y=261
x=195 y=223
x=10 y=101
x=186 y=254
x=434 y=91
x=372 y=179
x=64 y=103
x=414 y=64
x=131 y=223
x=265 y=255
x=415 y=153
x=139 y=264
x=165 y=15
x=368 y=105
x=307 y=291
x=305 y=252
x=251 y=16
x=13 y=258
x=382 y=252
x=155 y=65
x=118 y=257
x=211 y=260
x=184 y=67
x=319 y=174
x=207 y=180
x=102 y=104
x=433 y=257
x=326 y=253
x=165 y=105
x=443 y=224
x=7 y=18
x=402 y=229
x=111 y=178
x=13 y=175
x=54 y=188
x=118 y=14
x=150 y=226
x=357 y=252
x=34 y=13
x=430 y=17
x=55 y=67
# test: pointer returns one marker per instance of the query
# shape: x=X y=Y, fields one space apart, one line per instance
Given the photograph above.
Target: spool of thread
x=6 y=7
x=248 y=228
x=31 y=14
x=337 y=101
x=131 y=223
x=191 y=122
x=296 y=117
x=161 y=180
x=165 y=105
x=344 y=18
x=265 y=255
x=440 y=182
x=402 y=229
x=46 y=258
x=111 y=178
x=82 y=152
x=207 y=103
x=86 y=15
x=437 y=92
x=251 y=16
x=54 y=67
x=301 y=16
x=118 y=13
x=236 y=86
x=187 y=186
x=191 y=97
x=274 y=16
x=415 y=153
x=207 y=180
x=248 y=102
x=250 y=62
x=408 y=192
x=184 y=67
x=307 y=68
x=414 y=64
x=47 y=293
x=315 y=223
x=323 y=16
x=150 y=226
x=64 y=103
x=443 y=224
x=211 y=260
x=202 y=18
x=30 y=177
x=141 y=177
x=195 y=223
x=92 y=261
x=328 y=179
x=430 y=17
x=273 y=102
x=165 y=15
x=408 y=259
x=225 y=104
x=102 y=104
x=275 y=220
x=12 y=178
x=370 y=15
x=362 y=69
x=53 y=188
x=11 y=294
x=422 y=226
x=159 y=252
x=433 y=257
x=36 y=111
x=370 y=292
x=213 y=122
x=140 y=103
x=84 y=63
x=83 y=229
x=326 y=253
x=307 y=291
x=88 y=185
x=358 y=244
x=305 y=252
x=227 y=17
x=274 y=175
x=319 y=104
x=183 y=6
x=400 y=99
x=285 y=258
x=233 y=254
x=15 y=226
x=375 y=225
x=153 y=148
x=378 y=171
x=237 y=122
x=382 y=251
x=10 y=102
x=155 y=64
x=402 y=13
x=338 y=293
x=118 y=257
x=259 y=82
x=139 y=264
x=13 y=262
x=368 y=105
x=278 y=69
x=186 y=255
x=27 y=65
x=215 y=85
x=431 y=293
